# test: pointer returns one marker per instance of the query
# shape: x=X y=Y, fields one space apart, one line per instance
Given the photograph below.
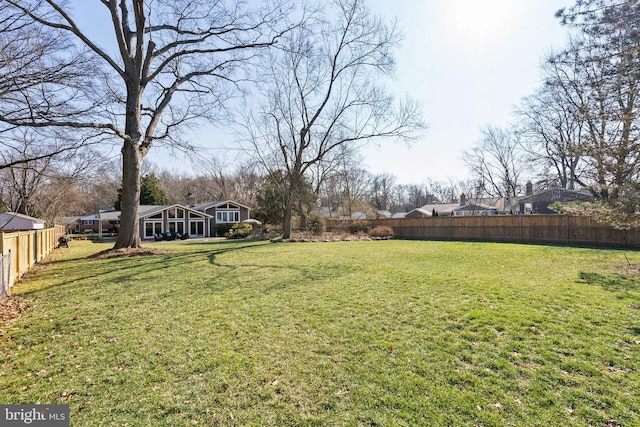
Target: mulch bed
x=127 y=252
x=12 y=307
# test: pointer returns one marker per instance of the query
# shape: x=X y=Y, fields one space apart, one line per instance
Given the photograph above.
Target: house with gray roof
x=223 y=214
x=155 y=220
x=540 y=202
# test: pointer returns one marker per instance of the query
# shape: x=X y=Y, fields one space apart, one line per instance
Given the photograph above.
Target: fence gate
x=5 y=274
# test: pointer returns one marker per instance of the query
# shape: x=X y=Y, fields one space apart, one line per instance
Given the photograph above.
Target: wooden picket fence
x=20 y=250
x=555 y=229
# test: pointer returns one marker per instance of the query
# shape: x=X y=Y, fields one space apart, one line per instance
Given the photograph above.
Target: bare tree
x=381 y=190
x=551 y=135
x=602 y=94
x=40 y=74
x=39 y=184
x=174 y=62
x=320 y=94
x=497 y=162
x=449 y=191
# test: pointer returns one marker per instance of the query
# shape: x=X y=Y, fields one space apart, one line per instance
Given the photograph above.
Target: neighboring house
x=10 y=221
x=470 y=209
x=110 y=220
x=539 y=202
x=88 y=224
x=103 y=221
x=443 y=209
x=399 y=215
x=196 y=221
x=69 y=223
x=358 y=215
x=477 y=206
x=383 y=214
x=173 y=219
x=223 y=214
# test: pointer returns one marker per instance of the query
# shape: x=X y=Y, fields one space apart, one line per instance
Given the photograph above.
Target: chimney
x=529 y=189
x=463 y=199
x=192 y=200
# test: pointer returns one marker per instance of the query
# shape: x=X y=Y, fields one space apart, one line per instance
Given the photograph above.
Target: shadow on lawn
x=135 y=270
x=624 y=287
x=612 y=282
x=130 y=267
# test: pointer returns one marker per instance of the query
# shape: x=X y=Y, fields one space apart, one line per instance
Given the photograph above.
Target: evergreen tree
x=151 y=192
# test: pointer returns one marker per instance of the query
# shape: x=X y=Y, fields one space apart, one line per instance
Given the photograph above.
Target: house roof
x=12 y=219
x=109 y=215
x=427 y=210
x=7 y=216
x=209 y=205
x=67 y=220
x=145 y=211
x=474 y=207
x=557 y=195
x=93 y=217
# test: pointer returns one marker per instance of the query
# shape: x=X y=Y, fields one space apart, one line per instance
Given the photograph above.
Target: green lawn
x=384 y=333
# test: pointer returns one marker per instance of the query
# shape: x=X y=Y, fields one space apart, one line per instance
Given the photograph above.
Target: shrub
x=383 y=231
x=333 y=225
x=240 y=231
x=316 y=223
x=359 y=226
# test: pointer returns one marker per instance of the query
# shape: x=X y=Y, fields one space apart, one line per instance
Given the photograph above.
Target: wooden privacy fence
x=20 y=250
x=559 y=229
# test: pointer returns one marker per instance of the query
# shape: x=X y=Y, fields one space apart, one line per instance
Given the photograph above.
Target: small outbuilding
x=10 y=221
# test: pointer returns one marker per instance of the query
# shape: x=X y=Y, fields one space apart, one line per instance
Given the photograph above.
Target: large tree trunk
x=129 y=233
x=286 y=221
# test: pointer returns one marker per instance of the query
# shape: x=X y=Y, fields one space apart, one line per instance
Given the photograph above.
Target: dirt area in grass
x=12 y=307
x=128 y=252
x=632 y=270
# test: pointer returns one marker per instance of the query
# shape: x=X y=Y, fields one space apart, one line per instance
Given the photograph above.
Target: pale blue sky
x=468 y=61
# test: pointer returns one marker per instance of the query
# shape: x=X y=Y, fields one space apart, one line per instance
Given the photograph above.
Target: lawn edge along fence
x=547 y=229
x=20 y=250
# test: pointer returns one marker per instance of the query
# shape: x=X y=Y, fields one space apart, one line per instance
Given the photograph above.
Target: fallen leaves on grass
x=12 y=307
x=127 y=252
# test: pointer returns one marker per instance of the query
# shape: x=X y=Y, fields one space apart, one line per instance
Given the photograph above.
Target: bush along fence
x=554 y=229
x=20 y=250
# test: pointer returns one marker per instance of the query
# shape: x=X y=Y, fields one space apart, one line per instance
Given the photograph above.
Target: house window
x=223 y=217
x=176 y=227
x=196 y=228
x=528 y=208
x=87 y=222
x=151 y=228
